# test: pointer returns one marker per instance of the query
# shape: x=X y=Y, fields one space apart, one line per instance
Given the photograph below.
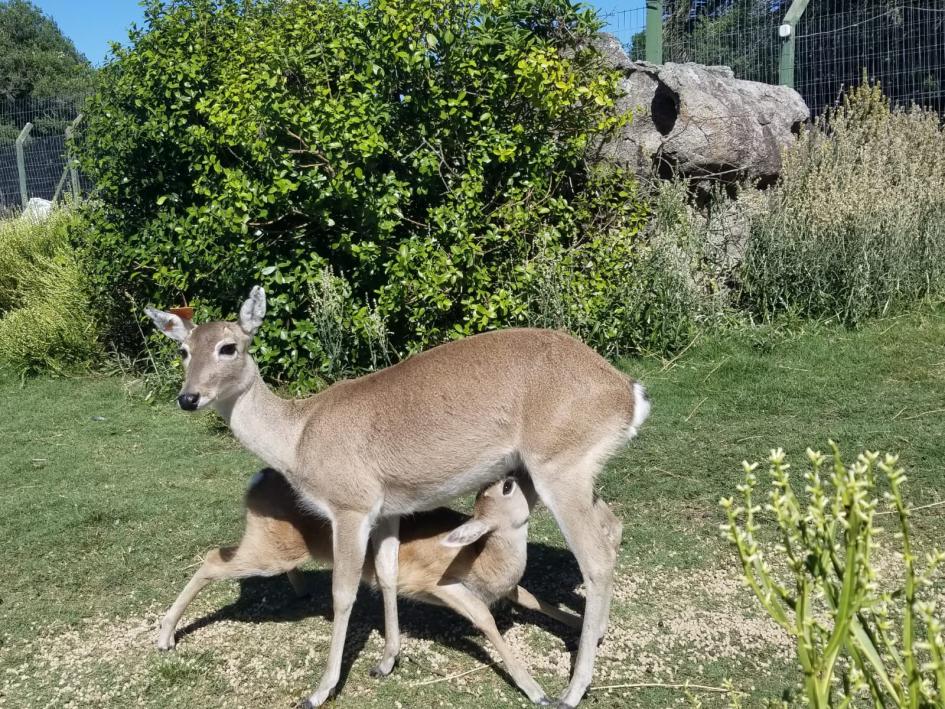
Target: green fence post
x=73 y=171
x=654 y=31
x=21 y=162
x=787 y=31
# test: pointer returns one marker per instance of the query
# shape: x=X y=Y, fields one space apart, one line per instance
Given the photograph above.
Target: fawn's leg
x=299 y=586
x=526 y=600
x=351 y=531
x=386 y=544
x=222 y=563
x=467 y=604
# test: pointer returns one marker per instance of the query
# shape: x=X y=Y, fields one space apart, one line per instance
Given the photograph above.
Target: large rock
x=700 y=121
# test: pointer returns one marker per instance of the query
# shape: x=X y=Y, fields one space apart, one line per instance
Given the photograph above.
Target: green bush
x=431 y=154
x=857 y=642
x=856 y=225
x=45 y=321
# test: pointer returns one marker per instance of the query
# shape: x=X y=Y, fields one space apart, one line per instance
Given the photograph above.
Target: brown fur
x=413 y=436
x=280 y=535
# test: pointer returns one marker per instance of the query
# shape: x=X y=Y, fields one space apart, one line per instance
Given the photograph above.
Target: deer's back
x=451 y=419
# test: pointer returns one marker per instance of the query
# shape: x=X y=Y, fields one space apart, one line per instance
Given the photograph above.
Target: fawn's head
x=217 y=366
x=500 y=507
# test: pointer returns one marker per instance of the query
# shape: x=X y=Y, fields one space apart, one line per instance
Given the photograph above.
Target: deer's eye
x=183 y=353
x=228 y=350
x=508 y=487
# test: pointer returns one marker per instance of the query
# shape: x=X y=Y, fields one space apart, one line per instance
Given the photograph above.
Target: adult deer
x=415 y=435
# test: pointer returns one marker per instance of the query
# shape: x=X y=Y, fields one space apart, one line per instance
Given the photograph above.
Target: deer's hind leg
x=566 y=486
x=221 y=563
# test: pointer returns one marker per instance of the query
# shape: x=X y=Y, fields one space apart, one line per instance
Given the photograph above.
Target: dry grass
x=265 y=650
x=856 y=225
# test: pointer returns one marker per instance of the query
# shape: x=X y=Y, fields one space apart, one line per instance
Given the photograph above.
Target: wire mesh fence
x=900 y=43
x=34 y=155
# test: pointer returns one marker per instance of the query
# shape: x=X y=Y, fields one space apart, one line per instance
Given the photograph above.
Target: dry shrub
x=45 y=323
x=856 y=225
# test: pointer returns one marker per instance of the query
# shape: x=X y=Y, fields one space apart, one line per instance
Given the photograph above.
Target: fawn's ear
x=171 y=325
x=253 y=311
x=466 y=534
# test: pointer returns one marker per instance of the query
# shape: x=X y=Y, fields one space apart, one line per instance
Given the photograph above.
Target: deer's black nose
x=188 y=401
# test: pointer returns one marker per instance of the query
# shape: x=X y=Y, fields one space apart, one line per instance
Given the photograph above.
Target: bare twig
x=684 y=350
x=459 y=674
x=693 y=412
x=913 y=509
x=924 y=413
x=716 y=368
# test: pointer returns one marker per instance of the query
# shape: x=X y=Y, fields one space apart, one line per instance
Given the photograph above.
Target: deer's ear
x=171 y=325
x=466 y=534
x=253 y=311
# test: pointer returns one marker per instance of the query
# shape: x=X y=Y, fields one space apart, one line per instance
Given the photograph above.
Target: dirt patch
x=666 y=625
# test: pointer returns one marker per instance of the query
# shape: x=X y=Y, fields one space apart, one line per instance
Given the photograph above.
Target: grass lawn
x=107 y=502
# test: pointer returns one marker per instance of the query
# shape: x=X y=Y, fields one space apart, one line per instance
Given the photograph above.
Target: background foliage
x=45 y=321
x=430 y=153
x=41 y=72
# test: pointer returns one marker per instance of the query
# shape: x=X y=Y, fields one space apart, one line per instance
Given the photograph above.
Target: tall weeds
x=45 y=322
x=856 y=225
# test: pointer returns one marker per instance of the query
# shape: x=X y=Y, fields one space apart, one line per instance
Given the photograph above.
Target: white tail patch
x=641 y=409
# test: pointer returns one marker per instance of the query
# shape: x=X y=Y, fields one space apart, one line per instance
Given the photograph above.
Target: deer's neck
x=264 y=423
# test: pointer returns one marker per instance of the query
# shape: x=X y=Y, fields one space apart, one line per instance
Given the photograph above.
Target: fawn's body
x=446 y=558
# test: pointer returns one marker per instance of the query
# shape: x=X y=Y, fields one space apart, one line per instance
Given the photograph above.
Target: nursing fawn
x=445 y=558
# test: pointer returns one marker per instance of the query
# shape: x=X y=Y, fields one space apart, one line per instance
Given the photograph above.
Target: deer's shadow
x=552 y=574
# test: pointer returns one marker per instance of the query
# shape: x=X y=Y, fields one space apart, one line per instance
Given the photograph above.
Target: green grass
x=106 y=502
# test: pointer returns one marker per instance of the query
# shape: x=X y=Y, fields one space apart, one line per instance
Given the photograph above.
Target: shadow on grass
x=552 y=575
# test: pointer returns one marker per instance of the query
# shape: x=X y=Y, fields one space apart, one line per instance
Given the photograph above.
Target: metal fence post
x=786 y=32
x=654 y=31
x=73 y=171
x=21 y=162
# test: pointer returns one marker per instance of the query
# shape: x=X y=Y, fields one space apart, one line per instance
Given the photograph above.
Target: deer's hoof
x=383 y=668
x=308 y=703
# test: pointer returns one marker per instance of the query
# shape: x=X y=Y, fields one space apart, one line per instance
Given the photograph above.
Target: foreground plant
x=852 y=637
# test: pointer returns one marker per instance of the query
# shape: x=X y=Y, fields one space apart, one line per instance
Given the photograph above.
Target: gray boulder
x=700 y=121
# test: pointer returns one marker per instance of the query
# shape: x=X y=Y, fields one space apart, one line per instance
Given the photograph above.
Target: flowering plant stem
x=830 y=601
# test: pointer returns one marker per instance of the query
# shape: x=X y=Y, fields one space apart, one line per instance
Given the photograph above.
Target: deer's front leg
x=350 y=539
x=386 y=543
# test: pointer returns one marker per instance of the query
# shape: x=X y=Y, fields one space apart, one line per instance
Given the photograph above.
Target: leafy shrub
x=45 y=322
x=856 y=225
x=431 y=154
x=854 y=639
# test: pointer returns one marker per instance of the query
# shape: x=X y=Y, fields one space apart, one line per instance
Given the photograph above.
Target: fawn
x=446 y=558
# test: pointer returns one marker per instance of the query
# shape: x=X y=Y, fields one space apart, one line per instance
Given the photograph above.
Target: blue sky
x=92 y=24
